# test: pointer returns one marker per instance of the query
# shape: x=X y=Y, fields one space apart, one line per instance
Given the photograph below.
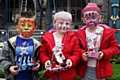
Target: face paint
x=26 y=27
x=91 y=19
x=64 y=24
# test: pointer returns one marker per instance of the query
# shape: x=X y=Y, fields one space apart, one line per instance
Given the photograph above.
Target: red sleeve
x=112 y=49
x=76 y=53
x=43 y=55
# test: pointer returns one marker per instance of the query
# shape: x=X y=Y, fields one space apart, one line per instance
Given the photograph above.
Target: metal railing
x=3 y=35
x=37 y=33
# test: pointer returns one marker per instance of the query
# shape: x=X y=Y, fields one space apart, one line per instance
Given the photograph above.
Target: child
x=98 y=45
x=19 y=57
x=60 y=49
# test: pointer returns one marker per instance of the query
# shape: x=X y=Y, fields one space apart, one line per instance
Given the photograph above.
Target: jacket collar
x=82 y=37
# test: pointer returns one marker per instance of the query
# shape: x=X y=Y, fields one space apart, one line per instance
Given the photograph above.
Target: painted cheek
x=92 y=22
x=30 y=28
x=59 y=25
x=86 y=22
x=97 y=20
x=68 y=26
x=21 y=29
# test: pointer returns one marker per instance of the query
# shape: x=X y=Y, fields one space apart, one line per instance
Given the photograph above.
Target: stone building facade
x=49 y=7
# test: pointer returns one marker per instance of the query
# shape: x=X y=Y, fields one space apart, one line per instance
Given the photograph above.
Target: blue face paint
x=91 y=19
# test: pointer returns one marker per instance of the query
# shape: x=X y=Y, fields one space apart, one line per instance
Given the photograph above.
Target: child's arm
x=76 y=52
x=112 y=50
x=43 y=54
x=5 y=61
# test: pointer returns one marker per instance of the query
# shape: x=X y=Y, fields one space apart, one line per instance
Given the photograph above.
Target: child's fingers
x=69 y=63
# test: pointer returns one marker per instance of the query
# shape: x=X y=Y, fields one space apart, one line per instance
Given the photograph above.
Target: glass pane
x=78 y=3
x=73 y=14
x=58 y=3
x=61 y=3
x=30 y=5
x=11 y=4
x=64 y=3
x=73 y=3
x=83 y=3
x=16 y=4
x=78 y=15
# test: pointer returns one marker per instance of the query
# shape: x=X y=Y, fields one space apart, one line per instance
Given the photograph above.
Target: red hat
x=91 y=7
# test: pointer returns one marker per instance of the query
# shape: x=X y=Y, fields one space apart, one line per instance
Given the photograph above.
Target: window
x=76 y=8
x=73 y=14
x=79 y=15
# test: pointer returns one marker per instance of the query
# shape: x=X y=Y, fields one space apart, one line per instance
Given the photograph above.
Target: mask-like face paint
x=63 y=24
x=91 y=19
x=26 y=27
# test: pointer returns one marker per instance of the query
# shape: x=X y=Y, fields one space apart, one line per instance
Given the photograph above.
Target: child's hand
x=101 y=55
x=85 y=56
x=47 y=65
x=13 y=70
x=69 y=63
x=37 y=67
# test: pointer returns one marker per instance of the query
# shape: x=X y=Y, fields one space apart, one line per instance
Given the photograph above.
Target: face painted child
x=64 y=50
x=62 y=21
x=91 y=15
x=93 y=37
x=24 y=61
x=26 y=26
x=91 y=18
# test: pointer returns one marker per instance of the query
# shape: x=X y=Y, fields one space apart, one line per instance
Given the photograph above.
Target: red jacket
x=109 y=46
x=70 y=50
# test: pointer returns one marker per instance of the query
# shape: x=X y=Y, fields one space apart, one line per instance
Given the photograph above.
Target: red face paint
x=26 y=27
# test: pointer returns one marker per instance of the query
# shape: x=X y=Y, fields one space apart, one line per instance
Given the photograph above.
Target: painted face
x=26 y=27
x=91 y=19
x=63 y=24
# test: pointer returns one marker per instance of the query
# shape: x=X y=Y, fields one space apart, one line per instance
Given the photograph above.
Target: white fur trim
x=60 y=14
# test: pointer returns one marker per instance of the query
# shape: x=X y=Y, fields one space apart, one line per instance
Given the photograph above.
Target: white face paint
x=63 y=24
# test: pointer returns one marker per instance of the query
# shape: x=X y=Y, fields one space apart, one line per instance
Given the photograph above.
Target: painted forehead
x=26 y=20
x=91 y=14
